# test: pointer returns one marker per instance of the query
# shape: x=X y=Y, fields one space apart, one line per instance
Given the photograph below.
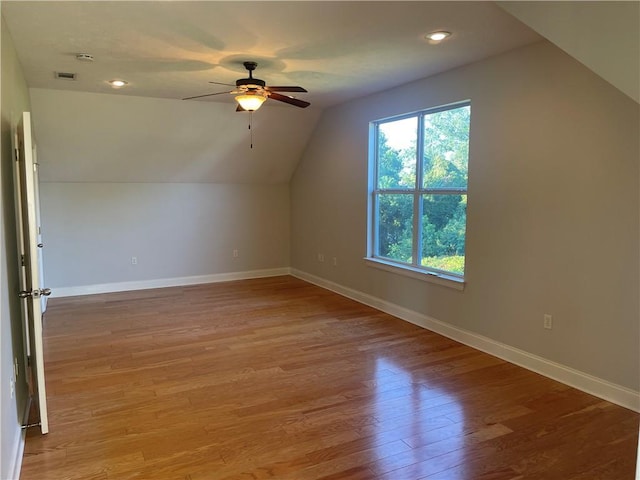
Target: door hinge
x=35 y=293
x=17 y=154
x=30 y=425
x=22 y=260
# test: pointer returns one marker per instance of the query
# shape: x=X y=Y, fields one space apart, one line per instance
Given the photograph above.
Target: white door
x=31 y=291
x=36 y=183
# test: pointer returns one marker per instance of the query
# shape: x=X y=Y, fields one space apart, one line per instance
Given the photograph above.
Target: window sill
x=431 y=277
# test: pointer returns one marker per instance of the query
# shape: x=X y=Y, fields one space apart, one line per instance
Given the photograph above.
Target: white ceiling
x=336 y=50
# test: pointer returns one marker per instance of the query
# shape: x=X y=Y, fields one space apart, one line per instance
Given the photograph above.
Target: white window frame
x=415 y=269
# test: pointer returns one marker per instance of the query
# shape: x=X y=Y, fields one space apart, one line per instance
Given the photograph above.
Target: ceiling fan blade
x=292 y=101
x=227 y=84
x=205 y=95
x=286 y=89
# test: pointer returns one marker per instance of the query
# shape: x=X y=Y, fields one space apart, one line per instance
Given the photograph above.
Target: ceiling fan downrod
x=251 y=82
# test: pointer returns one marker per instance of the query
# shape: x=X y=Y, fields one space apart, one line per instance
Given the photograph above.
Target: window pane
x=444 y=219
x=397 y=153
x=446 y=148
x=395 y=226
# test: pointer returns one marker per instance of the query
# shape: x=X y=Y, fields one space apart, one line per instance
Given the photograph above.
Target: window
x=419 y=166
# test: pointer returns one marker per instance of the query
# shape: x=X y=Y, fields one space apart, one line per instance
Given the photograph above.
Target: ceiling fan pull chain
x=250 y=129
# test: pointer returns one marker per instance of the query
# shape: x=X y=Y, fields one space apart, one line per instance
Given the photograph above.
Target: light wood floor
x=278 y=379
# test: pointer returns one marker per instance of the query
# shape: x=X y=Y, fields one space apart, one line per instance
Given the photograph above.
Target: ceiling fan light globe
x=250 y=102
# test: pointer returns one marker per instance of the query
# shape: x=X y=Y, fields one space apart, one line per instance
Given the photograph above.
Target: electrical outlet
x=235 y=253
x=12 y=387
x=321 y=257
x=134 y=260
x=548 y=321
x=335 y=261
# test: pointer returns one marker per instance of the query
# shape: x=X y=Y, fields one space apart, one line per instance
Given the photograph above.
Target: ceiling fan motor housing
x=251 y=83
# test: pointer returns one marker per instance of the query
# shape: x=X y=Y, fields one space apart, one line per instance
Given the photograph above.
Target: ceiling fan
x=251 y=92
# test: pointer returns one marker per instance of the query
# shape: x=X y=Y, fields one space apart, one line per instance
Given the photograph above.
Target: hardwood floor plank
x=279 y=379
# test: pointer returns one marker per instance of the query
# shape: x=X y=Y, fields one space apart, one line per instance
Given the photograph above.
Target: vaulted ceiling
x=604 y=36
x=337 y=50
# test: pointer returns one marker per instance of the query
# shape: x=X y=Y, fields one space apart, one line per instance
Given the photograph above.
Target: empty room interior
x=320 y=240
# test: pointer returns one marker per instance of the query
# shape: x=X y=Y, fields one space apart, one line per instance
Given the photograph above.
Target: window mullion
x=417 y=203
x=444 y=191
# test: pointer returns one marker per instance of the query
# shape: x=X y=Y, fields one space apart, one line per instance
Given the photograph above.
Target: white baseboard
x=582 y=381
x=20 y=440
x=16 y=460
x=165 y=282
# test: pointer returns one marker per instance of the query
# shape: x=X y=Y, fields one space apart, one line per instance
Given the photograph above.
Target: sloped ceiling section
x=94 y=137
x=604 y=36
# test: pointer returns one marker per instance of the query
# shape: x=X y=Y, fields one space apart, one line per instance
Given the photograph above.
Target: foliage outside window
x=419 y=188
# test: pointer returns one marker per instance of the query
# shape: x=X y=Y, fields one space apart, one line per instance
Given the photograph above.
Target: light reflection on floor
x=425 y=417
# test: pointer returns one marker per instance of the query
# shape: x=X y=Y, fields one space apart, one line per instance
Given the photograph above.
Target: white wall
x=14 y=100
x=91 y=231
x=552 y=215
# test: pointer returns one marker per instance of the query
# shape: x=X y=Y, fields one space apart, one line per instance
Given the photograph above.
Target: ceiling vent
x=65 y=76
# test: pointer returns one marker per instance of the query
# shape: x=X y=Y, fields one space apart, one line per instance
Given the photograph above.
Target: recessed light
x=437 y=36
x=118 y=83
